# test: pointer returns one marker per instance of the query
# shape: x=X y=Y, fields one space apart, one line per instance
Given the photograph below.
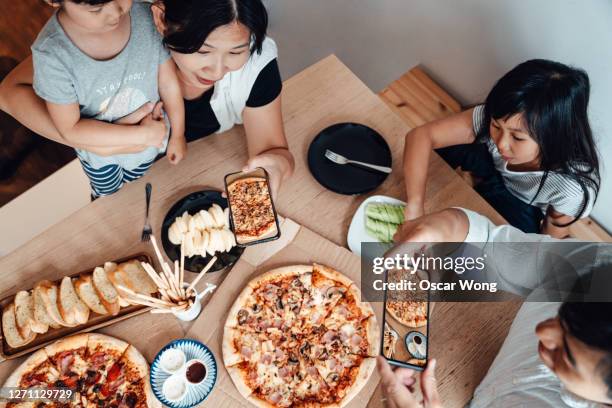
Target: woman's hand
x=278 y=166
x=398 y=386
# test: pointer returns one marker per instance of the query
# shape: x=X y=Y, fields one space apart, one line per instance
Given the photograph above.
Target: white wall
x=464 y=44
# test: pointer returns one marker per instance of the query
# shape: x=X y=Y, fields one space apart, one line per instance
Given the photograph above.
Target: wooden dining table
x=465 y=337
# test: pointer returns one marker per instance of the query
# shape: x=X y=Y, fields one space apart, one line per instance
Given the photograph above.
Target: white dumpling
x=183 y=222
x=217 y=215
x=229 y=239
x=193 y=222
x=189 y=244
x=215 y=242
x=174 y=234
x=204 y=243
x=207 y=220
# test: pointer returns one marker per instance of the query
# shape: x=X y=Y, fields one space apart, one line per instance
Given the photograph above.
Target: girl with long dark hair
x=529 y=146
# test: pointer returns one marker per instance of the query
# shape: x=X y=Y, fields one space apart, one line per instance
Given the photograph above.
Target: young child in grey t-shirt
x=96 y=61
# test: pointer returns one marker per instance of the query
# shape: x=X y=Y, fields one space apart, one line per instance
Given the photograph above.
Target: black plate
x=194 y=202
x=355 y=142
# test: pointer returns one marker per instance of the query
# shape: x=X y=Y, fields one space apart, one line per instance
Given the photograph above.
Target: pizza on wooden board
x=103 y=372
x=251 y=208
x=300 y=336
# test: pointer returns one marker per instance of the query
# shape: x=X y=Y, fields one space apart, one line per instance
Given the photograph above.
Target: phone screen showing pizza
x=405 y=320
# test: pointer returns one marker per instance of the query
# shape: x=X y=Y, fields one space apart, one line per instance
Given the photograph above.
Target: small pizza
x=251 y=207
x=101 y=370
x=300 y=336
x=411 y=314
x=408 y=307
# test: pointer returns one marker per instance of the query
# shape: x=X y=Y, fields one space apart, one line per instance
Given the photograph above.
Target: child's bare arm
x=172 y=98
x=18 y=99
x=420 y=141
x=67 y=120
x=551 y=223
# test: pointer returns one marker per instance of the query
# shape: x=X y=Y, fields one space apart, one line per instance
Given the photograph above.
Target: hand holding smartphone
x=405 y=322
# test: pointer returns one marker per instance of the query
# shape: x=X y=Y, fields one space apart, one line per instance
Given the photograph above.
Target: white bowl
x=191 y=362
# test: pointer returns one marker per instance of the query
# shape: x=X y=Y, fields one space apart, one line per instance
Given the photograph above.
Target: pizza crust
x=366 y=368
x=36 y=359
x=241 y=300
x=237 y=376
x=279 y=273
x=69 y=343
x=332 y=274
x=246 y=238
x=364 y=307
x=373 y=335
x=106 y=342
x=231 y=356
x=258 y=402
x=137 y=361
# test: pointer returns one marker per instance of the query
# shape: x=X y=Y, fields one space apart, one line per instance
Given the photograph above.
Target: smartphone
x=253 y=218
x=404 y=341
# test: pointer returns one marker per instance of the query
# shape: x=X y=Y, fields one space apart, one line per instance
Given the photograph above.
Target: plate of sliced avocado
x=376 y=220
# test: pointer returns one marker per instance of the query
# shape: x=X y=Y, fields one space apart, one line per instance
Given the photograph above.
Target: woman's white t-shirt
x=561 y=192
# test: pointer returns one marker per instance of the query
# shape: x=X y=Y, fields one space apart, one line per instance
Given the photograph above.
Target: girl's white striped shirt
x=563 y=193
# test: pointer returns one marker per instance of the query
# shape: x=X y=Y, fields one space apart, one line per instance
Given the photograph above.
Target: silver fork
x=336 y=158
x=147 y=230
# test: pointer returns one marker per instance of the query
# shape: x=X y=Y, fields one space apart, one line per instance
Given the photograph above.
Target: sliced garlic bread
x=85 y=289
x=24 y=313
x=137 y=278
x=105 y=290
x=41 y=317
x=71 y=307
x=50 y=295
x=9 y=328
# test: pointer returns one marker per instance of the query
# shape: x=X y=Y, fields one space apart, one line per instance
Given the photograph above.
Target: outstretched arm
x=17 y=98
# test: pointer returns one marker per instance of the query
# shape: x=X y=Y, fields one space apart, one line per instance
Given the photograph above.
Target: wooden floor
x=417 y=99
x=25 y=158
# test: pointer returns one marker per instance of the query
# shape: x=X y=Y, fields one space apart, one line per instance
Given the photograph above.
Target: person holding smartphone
x=555 y=355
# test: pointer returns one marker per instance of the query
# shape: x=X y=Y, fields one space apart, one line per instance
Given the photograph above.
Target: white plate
x=357 y=231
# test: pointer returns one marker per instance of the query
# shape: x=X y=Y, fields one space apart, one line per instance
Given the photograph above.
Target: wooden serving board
x=96 y=321
x=297 y=245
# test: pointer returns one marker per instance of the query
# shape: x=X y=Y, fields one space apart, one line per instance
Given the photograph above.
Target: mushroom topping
x=279 y=304
x=256 y=308
x=332 y=377
x=293 y=359
x=334 y=291
x=305 y=349
x=296 y=283
x=242 y=316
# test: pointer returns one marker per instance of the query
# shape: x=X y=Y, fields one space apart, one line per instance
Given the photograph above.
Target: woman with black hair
x=529 y=147
x=228 y=73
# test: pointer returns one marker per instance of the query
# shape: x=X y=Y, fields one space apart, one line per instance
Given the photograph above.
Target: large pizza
x=300 y=336
x=251 y=207
x=101 y=370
